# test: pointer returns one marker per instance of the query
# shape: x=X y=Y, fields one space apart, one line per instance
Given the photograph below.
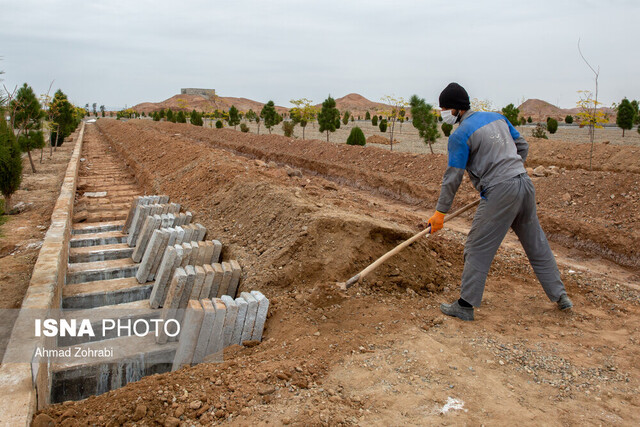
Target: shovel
x=358 y=277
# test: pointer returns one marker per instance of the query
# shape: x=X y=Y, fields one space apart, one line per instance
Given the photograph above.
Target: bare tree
x=592 y=122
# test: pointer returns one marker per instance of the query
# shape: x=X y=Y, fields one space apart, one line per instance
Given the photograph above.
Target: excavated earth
x=302 y=215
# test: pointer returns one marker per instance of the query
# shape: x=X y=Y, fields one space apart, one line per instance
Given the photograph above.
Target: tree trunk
x=41 y=154
x=7 y=204
x=623 y=132
x=258 y=128
x=33 y=167
x=327 y=136
x=303 y=132
x=431 y=147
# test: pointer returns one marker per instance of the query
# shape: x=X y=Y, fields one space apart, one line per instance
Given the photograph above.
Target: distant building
x=207 y=93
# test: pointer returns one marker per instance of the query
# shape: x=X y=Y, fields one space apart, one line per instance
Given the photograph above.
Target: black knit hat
x=454 y=96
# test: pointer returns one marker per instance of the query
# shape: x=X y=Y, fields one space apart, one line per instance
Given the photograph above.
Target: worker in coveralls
x=493 y=153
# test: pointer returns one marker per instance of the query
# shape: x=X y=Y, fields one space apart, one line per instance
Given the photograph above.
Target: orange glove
x=436 y=221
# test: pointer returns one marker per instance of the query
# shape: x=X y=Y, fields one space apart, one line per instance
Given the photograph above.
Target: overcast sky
x=121 y=52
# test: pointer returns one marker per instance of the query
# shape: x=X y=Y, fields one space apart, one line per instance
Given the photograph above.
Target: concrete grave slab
x=205 y=331
x=218 y=273
x=216 y=339
x=250 y=320
x=189 y=333
x=236 y=337
x=261 y=316
x=174 y=295
x=230 y=319
x=208 y=281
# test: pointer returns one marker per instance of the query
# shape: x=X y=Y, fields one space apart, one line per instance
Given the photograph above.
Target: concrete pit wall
x=24 y=386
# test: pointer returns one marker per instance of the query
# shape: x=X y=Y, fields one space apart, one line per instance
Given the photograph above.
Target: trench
x=133 y=288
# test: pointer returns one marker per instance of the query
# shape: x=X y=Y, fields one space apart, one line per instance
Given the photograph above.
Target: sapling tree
x=424 y=120
x=234 y=118
x=329 y=117
x=625 y=115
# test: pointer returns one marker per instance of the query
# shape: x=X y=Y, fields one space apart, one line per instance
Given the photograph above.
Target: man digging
x=493 y=153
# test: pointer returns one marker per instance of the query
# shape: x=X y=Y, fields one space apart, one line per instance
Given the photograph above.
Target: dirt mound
x=377 y=139
x=358 y=105
x=200 y=103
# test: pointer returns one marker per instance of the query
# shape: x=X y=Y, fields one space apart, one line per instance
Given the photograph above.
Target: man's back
x=488 y=147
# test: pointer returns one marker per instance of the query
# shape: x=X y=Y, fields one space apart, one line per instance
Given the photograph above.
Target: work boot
x=564 y=303
x=456 y=310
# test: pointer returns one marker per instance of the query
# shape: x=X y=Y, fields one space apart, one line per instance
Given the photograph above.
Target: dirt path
x=381 y=354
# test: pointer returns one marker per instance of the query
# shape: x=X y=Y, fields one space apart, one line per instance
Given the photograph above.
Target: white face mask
x=447 y=117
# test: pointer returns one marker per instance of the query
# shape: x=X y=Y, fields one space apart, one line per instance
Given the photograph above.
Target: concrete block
x=198 y=283
x=236 y=273
x=189 y=333
x=236 y=337
x=174 y=208
x=217 y=279
x=195 y=250
x=202 y=231
x=179 y=235
x=156 y=209
x=226 y=279
x=171 y=218
x=205 y=331
x=250 y=319
x=149 y=256
x=230 y=319
x=138 y=200
x=188 y=218
x=216 y=339
x=173 y=234
x=150 y=224
x=217 y=251
x=165 y=208
x=261 y=316
x=188 y=234
x=158 y=259
x=163 y=199
x=169 y=310
x=180 y=219
x=162 y=278
x=205 y=252
x=186 y=247
x=188 y=287
x=208 y=281
x=142 y=212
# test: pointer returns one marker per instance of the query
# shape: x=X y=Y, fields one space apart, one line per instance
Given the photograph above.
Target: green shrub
x=568 y=119
x=374 y=121
x=287 y=128
x=244 y=128
x=219 y=124
x=539 y=132
x=356 y=137
x=552 y=126
x=180 y=117
x=383 y=125
x=529 y=120
x=367 y=116
x=446 y=129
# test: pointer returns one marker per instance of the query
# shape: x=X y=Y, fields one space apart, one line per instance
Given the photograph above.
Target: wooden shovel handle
x=355 y=279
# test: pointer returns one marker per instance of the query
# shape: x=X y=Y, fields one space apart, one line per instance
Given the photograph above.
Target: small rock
x=43 y=420
x=539 y=171
x=179 y=411
x=196 y=404
x=250 y=343
x=171 y=422
x=259 y=163
x=140 y=412
x=566 y=197
x=266 y=389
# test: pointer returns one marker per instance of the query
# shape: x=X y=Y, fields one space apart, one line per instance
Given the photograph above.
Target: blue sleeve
x=458 y=151
x=514 y=133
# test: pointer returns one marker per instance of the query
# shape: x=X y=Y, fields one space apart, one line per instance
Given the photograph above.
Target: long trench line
x=100 y=279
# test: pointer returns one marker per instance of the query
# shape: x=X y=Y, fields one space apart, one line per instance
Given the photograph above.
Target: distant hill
x=539 y=110
x=200 y=103
x=358 y=105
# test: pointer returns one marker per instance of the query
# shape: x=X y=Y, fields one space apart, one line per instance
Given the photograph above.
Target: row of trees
x=29 y=118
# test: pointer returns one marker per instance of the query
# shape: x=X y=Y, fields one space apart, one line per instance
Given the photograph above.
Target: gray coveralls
x=493 y=153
